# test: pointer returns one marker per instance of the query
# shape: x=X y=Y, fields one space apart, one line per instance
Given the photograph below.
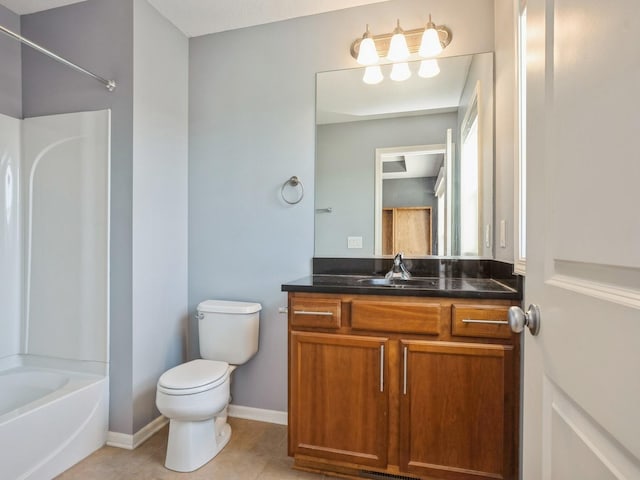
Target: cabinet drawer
x=396 y=317
x=487 y=321
x=315 y=312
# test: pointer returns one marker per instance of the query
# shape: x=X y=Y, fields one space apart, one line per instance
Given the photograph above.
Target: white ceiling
x=22 y=7
x=418 y=165
x=200 y=17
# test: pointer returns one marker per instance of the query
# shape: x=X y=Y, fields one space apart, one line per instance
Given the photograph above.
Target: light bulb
x=367 y=54
x=398 y=50
x=430 y=45
x=400 y=72
x=429 y=68
x=372 y=75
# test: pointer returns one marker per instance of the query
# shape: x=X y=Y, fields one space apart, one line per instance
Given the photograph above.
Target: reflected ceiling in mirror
x=343 y=97
x=357 y=125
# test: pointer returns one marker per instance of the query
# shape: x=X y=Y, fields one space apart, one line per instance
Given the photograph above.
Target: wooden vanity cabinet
x=402 y=386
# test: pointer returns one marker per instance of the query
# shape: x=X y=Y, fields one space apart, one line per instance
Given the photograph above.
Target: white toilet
x=194 y=395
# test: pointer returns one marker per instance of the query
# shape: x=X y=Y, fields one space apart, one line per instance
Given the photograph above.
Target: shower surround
x=54 y=322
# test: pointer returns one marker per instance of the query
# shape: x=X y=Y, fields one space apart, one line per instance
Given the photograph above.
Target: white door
x=581 y=395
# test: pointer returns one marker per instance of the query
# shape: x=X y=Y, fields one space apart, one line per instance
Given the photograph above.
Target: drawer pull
x=382 y=368
x=404 y=388
x=486 y=322
x=305 y=312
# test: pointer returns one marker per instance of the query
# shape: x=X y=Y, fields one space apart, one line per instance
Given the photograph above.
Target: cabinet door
x=457 y=410
x=338 y=397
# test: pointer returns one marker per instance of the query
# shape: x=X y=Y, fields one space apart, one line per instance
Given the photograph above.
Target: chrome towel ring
x=293 y=182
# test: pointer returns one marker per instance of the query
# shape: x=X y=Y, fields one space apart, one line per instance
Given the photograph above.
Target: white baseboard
x=130 y=442
x=259 y=414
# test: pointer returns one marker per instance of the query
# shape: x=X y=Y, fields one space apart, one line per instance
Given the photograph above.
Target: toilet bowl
x=194 y=396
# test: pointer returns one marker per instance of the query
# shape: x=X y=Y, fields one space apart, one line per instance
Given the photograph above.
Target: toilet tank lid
x=226 y=306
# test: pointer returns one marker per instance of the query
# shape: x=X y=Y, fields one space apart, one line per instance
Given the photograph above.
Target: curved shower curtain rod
x=110 y=84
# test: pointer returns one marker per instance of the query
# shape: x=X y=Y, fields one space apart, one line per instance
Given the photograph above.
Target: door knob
x=518 y=319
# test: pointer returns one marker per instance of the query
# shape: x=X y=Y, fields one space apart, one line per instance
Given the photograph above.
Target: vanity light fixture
x=397 y=47
x=430 y=45
x=367 y=55
x=413 y=39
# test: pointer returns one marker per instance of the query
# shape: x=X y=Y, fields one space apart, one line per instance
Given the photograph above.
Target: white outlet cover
x=354 y=242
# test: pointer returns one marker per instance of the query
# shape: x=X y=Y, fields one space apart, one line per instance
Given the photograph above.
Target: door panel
x=594 y=91
x=582 y=386
x=567 y=425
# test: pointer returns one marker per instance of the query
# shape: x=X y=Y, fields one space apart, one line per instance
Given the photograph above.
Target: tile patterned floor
x=256 y=451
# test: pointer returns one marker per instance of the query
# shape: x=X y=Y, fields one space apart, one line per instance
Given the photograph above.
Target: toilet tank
x=228 y=331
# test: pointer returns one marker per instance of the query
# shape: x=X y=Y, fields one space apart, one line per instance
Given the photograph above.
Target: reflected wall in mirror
x=406 y=165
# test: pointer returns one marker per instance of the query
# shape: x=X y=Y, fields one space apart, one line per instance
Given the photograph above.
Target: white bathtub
x=53 y=413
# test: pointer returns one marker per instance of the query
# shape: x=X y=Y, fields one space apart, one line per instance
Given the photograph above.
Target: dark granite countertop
x=417 y=286
x=482 y=279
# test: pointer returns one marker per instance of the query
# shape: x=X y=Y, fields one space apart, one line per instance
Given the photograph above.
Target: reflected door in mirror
x=407 y=230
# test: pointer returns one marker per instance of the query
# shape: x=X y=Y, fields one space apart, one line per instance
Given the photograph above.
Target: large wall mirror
x=406 y=166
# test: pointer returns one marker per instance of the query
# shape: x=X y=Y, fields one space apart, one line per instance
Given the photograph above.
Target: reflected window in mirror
x=440 y=191
x=521 y=157
x=469 y=180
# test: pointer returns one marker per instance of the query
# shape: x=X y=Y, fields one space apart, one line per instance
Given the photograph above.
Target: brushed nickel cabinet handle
x=382 y=368
x=305 y=312
x=486 y=322
x=404 y=374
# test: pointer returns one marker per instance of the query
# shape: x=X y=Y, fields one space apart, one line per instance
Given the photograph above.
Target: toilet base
x=193 y=444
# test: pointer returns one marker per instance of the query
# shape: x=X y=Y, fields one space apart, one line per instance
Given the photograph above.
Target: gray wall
x=251 y=110
x=409 y=192
x=148 y=176
x=345 y=164
x=97 y=35
x=11 y=71
x=160 y=178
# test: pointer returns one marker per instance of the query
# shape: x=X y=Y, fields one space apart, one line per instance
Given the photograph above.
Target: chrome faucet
x=399 y=270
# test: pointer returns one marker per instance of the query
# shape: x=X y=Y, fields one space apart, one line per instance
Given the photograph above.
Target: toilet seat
x=193 y=377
